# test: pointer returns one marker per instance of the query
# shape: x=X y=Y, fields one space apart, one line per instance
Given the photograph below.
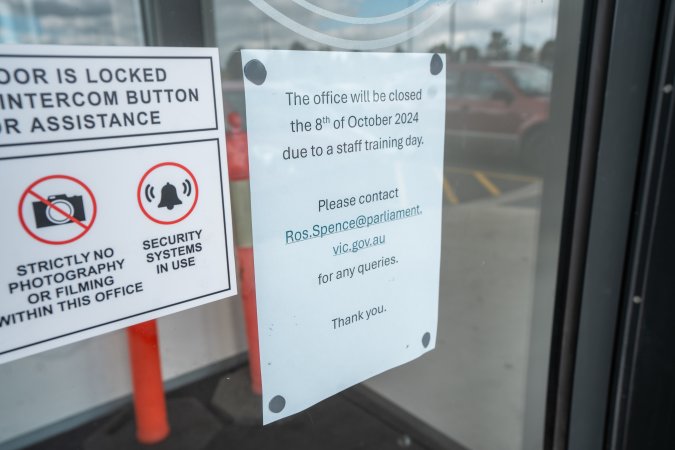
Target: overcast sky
x=239 y=23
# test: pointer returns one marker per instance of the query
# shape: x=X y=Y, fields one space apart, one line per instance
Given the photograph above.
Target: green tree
x=526 y=53
x=547 y=54
x=498 y=47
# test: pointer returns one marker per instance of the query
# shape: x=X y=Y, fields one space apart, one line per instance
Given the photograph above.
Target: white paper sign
x=346 y=155
x=114 y=176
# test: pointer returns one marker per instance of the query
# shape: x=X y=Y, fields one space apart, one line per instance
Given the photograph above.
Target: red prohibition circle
x=140 y=188
x=29 y=190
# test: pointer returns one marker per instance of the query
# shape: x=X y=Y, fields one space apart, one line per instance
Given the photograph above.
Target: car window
x=531 y=80
x=480 y=85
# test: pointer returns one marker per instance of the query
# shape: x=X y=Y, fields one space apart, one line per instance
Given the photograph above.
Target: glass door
x=511 y=83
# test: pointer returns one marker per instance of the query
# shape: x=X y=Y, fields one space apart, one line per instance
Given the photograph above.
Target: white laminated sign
x=346 y=156
x=114 y=179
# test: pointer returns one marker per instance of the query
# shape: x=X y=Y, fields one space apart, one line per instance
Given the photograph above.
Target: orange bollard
x=237 y=160
x=245 y=257
x=152 y=425
x=237 y=148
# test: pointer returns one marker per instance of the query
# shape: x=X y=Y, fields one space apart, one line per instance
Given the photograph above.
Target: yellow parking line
x=487 y=184
x=449 y=192
x=498 y=175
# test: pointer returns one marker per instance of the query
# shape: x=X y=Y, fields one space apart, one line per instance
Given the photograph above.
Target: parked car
x=499 y=107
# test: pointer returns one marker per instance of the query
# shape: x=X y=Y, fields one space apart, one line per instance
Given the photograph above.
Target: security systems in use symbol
x=57 y=209
x=167 y=193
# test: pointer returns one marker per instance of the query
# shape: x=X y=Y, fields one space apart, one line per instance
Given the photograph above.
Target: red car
x=499 y=107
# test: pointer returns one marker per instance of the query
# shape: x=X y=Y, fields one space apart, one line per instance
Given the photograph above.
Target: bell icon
x=169 y=197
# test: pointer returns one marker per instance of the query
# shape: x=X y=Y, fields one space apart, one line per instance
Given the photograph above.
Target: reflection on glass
x=70 y=22
x=532 y=81
x=496 y=107
x=500 y=57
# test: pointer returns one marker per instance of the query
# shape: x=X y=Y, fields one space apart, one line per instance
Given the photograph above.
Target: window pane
x=509 y=89
x=484 y=385
x=66 y=22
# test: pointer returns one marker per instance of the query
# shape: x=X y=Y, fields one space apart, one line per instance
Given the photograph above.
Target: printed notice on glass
x=346 y=155
x=114 y=179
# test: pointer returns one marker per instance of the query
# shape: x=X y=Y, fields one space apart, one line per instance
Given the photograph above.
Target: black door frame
x=615 y=81
x=643 y=390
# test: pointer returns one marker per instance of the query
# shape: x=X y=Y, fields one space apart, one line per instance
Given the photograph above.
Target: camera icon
x=48 y=215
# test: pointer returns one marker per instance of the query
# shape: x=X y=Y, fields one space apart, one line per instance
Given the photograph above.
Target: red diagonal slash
x=53 y=206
